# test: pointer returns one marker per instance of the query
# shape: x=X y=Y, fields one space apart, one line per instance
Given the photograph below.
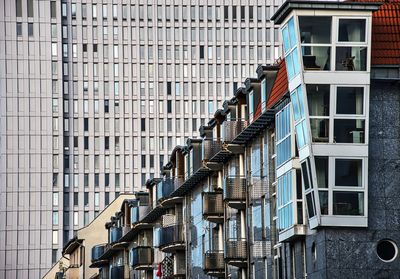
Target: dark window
x=169 y=88
x=76 y=199
x=350 y=100
x=161 y=161
x=76 y=145
x=106 y=198
x=151 y=161
x=226 y=12
x=194 y=125
x=234 y=12
x=86 y=180
x=86 y=199
x=143 y=161
x=66 y=161
x=54 y=256
x=96 y=180
x=242 y=12
x=251 y=15
x=19 y=29
x=107 y=180
x=201 y=52
x=107 y=143
x=30 y=8
x=169 y=106
x=55 y=179
x=30 y=29
x=18 y=8
x=86 y=143
x=117 y=180
x=86 y=124
x=66 y=200
x=66 y=220
x=143 y=124
x=106 y=106
x=66 y=143
x=348 y=172
x=53 y=11
x=348 y=203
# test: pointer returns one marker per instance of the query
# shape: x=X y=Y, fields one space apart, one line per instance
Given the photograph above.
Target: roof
x=385 y=33
x=289 y=5
x=280 y=87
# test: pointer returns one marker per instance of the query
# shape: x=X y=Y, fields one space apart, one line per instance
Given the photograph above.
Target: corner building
x=95 y=94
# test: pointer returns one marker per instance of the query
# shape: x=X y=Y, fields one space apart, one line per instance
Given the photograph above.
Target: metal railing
x=164 y=188
x=171 y=235
x=115 y=234
x=214 y=260
x=97 y=251
x=210 y=147
x=235 y=188
x=213 y=203
x=236 y=249
x=141 y=256
x=138 y=213
x=259 y=188
x=232 y=128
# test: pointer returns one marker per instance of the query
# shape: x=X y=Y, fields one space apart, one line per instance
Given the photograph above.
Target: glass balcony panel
x=171 y=235
x=164 y=188
x=117 y=272
x=349 y=131
x=97 y=251
x=236 y=249
x=351 y=58
x=214 y=261
x=235 y=188
x=213 y=203
x=141 y=256
x=115 y=234
x=348 y=203
x=316 y=58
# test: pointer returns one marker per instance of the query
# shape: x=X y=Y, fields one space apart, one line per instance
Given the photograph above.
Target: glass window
x=349 y=100
x=348 y=203
x=351 y=58
x=322 y=170
x=351 y=30
x=349 y=130
x=284 y=201
x=283 y=141
x=315 y=29
x=348 y=172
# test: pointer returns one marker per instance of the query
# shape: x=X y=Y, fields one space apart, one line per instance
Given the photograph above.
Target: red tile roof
x=280 y=87
x=385 y=33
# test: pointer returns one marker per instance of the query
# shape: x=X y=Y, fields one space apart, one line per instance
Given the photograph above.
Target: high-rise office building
x=95 y=94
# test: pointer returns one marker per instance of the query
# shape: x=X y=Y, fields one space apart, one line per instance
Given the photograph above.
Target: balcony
x=213 y=207
x=232 y=128
x=235 y=191
x=142 y=258
x=259 y=188
x=166 y=187
x=214 y=264
x=97 y=251
x=236 y=252
x=117 y=272
x=115 y=234
x=138 y=213
x=171 y=238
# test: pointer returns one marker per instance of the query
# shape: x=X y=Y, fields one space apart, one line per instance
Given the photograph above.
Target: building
x=84 y=245
x=296 y=175
x=91 y=95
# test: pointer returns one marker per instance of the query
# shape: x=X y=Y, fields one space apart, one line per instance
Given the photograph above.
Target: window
x=351 y=30
x=290 y=49
x=283 y=138
x=318 y=107
x=285 y=201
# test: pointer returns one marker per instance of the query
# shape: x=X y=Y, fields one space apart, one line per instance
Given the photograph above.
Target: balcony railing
x=235 y=188
x=213 y=205
x=236 y=250
x=138 y=213
x=259 y=188
x=171 y=235
x=115 y=234
x=214 y=261
x=210 y=147
x=141 y=256
x=164 y=189
x=117 y=272
x=232 y=128
x=97 y=251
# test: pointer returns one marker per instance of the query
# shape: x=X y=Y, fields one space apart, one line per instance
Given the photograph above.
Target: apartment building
x=295 y=176
x=96 y=94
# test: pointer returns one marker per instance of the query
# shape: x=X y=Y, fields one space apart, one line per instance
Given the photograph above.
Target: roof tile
x=280 y=87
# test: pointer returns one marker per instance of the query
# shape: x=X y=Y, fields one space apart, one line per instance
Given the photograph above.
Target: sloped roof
x=385 y=33
x=280 y=87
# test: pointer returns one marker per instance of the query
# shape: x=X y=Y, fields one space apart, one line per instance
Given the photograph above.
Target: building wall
x=59 y=186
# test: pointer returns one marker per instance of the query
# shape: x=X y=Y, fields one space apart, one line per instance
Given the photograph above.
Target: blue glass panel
x=301 y=101
x=292 y=33
x=306 y=138
x=300 y=135
x=285 y=36
x=251 y=103
x=295 y=103
x=289 y=66
x=296 y=62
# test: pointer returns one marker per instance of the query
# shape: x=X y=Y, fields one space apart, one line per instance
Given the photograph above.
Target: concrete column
x=241 y=165
x=220 y=179
x=220 y=237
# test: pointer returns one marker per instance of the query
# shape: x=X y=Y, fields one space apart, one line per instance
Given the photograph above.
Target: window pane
x=320 y=130
x=285 y=35
x=351 y=58
x=318 y=99
x=348 y=203
x=323 y=202
x=315 y=29
x=316 y=58
x=350 y=100
x=310 y=205
x=349 y=131
x=348 y=172
x=352 y=30
x=321 y=166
